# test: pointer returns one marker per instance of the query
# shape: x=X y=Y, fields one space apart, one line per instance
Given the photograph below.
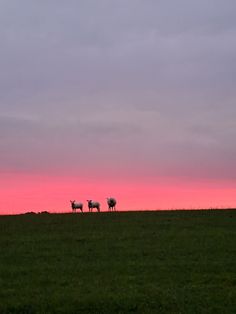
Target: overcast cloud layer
x=126 y=88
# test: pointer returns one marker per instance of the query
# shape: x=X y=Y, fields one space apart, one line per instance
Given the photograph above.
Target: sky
x=132 y=99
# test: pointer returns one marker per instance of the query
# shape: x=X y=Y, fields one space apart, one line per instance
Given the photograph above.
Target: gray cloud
x=143 y=87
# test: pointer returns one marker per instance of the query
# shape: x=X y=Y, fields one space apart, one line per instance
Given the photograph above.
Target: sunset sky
x=128 y=98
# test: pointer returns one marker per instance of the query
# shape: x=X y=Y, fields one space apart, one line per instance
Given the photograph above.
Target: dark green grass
x=131 y=262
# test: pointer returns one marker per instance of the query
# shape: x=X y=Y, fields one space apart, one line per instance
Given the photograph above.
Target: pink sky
x=21 y=193
x=131 y=99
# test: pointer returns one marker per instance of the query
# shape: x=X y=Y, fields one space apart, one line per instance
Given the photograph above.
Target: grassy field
x=130 y=262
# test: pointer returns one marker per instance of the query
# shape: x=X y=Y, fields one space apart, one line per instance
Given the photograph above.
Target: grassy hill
x=130 y=262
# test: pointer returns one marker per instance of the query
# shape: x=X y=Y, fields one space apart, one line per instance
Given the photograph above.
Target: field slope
x=131 y=262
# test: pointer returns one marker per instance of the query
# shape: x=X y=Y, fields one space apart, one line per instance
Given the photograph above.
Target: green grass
x=130 y=262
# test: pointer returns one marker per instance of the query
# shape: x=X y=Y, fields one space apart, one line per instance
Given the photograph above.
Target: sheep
x=111 y=202
x=92 y=205
x=75 y=206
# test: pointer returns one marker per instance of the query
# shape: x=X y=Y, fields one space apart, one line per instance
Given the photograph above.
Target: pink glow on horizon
x=21 y=193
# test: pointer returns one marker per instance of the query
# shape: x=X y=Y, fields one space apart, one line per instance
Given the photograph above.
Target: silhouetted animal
x=75 y=206
x=92 y=205
x=111 y=202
